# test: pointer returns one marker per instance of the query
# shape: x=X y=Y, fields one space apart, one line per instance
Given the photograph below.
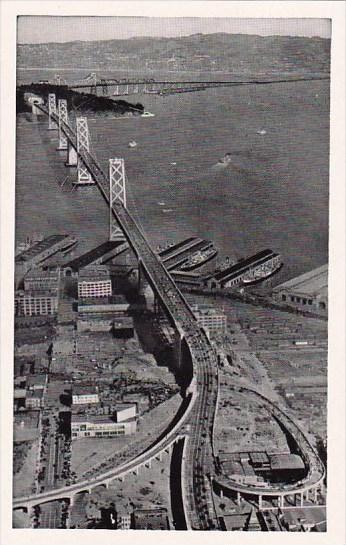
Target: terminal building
x=94 y=281
x=307 y=292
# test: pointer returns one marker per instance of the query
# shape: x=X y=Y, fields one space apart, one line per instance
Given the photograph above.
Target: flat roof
x=286 y=461
x=313 y=282
x=94 y=254
x=40 y=247
x=165 y=253
x=79 y=389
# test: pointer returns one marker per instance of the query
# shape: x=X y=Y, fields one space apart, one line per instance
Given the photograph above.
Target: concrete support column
x=307 y=494
x=315 y=495
x=260 y=502
x=71 y=501
x=221 y=493
x=238 y=498
x=301 y=499
x=72 y=158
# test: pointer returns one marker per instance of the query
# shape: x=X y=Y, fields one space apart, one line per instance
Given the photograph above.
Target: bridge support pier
x=72 y=158
x=301 y=499
x=238 y=498
x=260 y=498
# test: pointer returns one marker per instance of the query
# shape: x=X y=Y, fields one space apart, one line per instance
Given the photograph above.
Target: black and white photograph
x=171 y=264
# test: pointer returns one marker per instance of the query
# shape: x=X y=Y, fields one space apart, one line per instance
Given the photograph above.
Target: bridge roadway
x=197 y=421
x=198 y=510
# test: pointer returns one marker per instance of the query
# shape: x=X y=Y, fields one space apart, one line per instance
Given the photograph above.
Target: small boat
x=173 y=163
x=167 y=210
x=161 y=203
x=262 y=132
x=225 y=160
x=147 y=114
x=132 y=144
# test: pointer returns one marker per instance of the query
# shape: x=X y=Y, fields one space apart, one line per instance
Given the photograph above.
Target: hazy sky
x=35 y=29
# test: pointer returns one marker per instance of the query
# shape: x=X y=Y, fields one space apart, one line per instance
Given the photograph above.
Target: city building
x=36 y=382
x=304 y=519
x=94 y=281
x=155 y=518
x=212 y=319
x=84 y=394
x=105 y=314
x=307 y=292
x=34 y=399
x=43 y=303
x=83 y=425
x=123 y=520
x=40 y=280
x=124 y=411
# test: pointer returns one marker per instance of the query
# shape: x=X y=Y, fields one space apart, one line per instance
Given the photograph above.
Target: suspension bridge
x=194 y=423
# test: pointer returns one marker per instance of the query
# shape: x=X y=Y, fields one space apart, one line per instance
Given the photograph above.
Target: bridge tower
x=51 y=110
x=84 y=176
x=63 y=118
x=93 y=88
x=117 y=193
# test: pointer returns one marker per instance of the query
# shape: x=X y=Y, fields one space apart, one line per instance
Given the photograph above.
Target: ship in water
x=199 y=258
x=258 y=274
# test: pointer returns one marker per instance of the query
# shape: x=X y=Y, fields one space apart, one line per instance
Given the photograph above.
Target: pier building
x=308 y=292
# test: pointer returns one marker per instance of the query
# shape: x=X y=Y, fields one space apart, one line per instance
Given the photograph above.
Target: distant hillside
x=238 y=53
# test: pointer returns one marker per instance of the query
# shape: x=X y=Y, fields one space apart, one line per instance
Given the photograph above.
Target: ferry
x=199 y=258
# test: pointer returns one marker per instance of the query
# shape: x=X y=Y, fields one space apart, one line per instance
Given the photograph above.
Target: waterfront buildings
x=94 y=281
x=42 y=250
x=307 y=292
x=250 y=270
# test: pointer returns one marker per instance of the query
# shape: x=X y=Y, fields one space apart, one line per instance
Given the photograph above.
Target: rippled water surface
x=273 y=193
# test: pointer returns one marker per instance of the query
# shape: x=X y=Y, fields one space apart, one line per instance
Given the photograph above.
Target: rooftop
x=79 y=389
x=40 y=247
x=94 y=254
x=94 y=272
x=286 y=461
x=314 y=282
x=243 y=264
x=39 y=273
